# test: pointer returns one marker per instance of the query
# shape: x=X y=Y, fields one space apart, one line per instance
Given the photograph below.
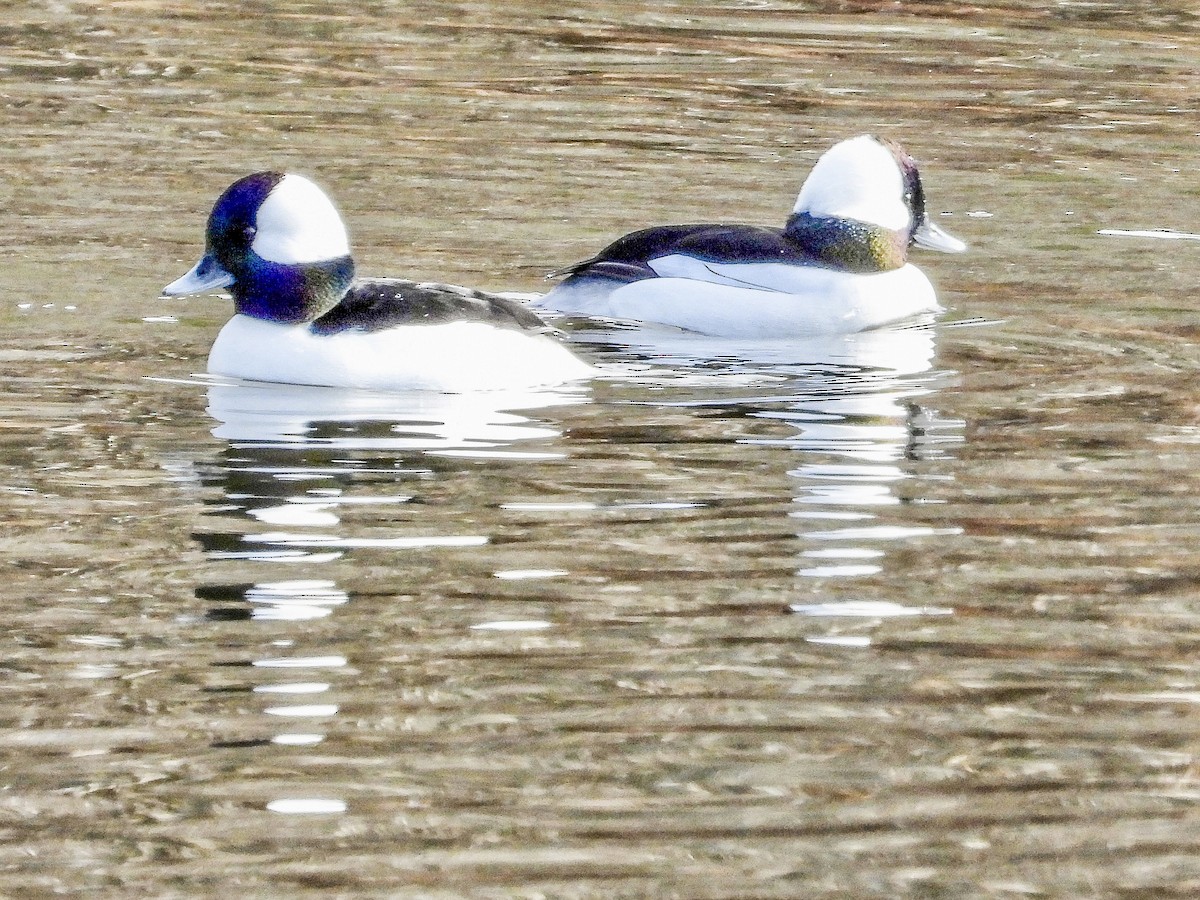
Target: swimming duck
x=839 y=265
x=277 y=243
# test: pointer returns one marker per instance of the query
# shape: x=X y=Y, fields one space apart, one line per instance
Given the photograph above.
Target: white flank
x=754 y=300
x=455 y=357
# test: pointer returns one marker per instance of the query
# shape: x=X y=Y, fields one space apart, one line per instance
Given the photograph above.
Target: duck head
x=863 y=206
x=278 y=244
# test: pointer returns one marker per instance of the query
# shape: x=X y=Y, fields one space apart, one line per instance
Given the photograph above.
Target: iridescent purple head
x=278 y=244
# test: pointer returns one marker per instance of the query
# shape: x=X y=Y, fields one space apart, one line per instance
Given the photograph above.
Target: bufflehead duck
x=839 y=265
x=277 y=243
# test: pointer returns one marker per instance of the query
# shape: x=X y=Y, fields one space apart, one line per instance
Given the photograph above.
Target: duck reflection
x=291 y=416
x=310 y=475
x=864 y=429
x=865 y=355
x=299 y=457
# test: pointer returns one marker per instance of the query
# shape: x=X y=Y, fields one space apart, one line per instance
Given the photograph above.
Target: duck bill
x=931 y=237
x=206 y=275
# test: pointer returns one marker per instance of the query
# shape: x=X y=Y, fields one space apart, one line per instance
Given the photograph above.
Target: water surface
x=909 y=614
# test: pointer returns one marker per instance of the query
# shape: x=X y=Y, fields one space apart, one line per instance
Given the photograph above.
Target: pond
x=909 y=613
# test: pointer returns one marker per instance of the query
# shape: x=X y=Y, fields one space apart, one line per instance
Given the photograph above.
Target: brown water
x=907 y=616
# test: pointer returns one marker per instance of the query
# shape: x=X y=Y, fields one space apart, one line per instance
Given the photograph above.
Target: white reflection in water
x=841 y=640
x=861 y=419
x=280 y=556
x=845 y=571
x=589 y=506
x=306 y=459
x=296 y=514
x=528 y=574
x=93 y=671
x=880 y=533
x=843 y=553
x=848 y=472
x=877 y=434
x=294 y=600
x=297 y=740
x=868 y=609
x=514 y=625
x=859 y=407
x=860 y=443
x=302 y=662
x=306 y=806
x=313 y=710
x=288 y=415
x=849 y=495
x=1159 y=233
x=287 y=539
x=477 y=453
x=837 y=515
x=703 y=359
x=290 y=613
x=551 y=507
x=298 y=687
x=856 y=406
x=264 y=422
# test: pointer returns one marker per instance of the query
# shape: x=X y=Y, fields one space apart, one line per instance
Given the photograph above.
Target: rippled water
x=908 y=614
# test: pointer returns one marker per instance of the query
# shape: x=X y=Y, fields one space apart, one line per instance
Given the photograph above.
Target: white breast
x=454 y=357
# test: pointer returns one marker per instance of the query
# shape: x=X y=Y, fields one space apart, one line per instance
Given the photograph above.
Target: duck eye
x=248 y=233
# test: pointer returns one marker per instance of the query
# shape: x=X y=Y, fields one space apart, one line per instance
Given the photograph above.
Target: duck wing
x=632 y=257
x=381 y=303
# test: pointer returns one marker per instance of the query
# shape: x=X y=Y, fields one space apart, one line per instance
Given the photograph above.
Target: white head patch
x=297 y=223
x=857 y=179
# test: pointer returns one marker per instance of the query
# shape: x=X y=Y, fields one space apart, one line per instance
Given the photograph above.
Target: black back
x=377 y=304
x=626 y=258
